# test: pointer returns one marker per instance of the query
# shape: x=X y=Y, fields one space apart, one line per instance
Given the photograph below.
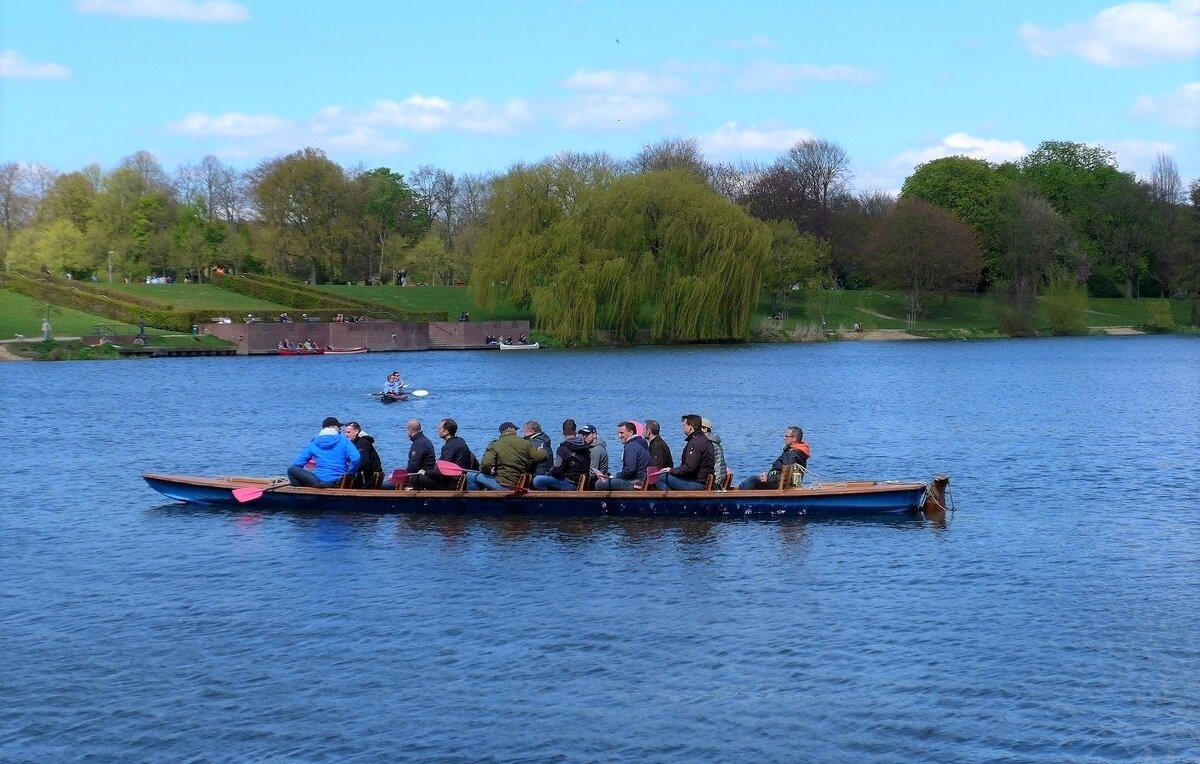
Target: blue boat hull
x=831 y=500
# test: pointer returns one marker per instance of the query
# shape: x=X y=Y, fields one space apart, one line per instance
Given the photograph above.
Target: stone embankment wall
x=263 y=337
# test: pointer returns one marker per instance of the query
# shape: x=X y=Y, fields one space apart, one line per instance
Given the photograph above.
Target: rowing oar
x=413 y=393
x=250 y=493
x=449 y=469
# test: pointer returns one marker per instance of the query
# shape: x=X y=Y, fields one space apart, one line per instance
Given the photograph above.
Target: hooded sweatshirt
x=635 y=460
x=370 y=463
x=572 y=460
x=334 y=454
x=599 y=450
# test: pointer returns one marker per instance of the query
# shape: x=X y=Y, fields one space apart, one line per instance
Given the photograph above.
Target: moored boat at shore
x=526 y=346
x=833 y=499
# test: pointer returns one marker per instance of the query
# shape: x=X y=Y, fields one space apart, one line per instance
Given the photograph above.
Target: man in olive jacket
x=508 y=457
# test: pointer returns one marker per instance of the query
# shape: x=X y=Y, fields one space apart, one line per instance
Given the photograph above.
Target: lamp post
x=110 y=255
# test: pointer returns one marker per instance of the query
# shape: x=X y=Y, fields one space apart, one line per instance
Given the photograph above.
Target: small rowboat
x=530 y=346
x=324 y=351
x=841 y=499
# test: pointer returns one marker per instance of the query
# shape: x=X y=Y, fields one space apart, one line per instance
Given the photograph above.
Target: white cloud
x=229 y=125
x=1132 y=34
x=632 y=82
x=750 y=43
x=1136 y=155
x=772 y=75
x=962 y=144
x=611 y=112
x=202 y=11
x=1181 y=108
x=431 y=113
x=15 y=66
x=732 y=138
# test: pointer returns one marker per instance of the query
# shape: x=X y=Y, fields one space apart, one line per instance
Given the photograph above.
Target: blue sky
x=478 y=86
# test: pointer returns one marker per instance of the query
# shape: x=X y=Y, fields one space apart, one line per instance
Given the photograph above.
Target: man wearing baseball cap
x=506 y=459
x=333 y=453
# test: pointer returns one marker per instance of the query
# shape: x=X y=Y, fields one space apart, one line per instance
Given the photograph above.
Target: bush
x=67 y=293
x=316 y=303
x=1158 y=317
x=1065 y=305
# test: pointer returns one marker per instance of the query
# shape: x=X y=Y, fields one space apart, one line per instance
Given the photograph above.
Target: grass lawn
x=200 y=297
x=886 y=310
x=452 y=300
x=23 y=315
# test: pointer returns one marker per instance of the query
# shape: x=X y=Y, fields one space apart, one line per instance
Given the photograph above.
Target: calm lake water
x=1055 y=616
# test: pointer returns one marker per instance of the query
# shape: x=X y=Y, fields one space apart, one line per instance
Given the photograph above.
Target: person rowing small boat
x=394 y=389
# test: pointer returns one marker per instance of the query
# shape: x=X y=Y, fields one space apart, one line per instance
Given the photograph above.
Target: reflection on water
x=138 y=630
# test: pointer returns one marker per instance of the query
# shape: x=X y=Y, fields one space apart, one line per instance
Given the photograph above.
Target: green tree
x=795 y=259
x=923 y=248
x=1073 y=177
x=589 y=255
x=978 y=195
x=57 y=245
x=1127 y=230
x=304 y=204
x=389 y=210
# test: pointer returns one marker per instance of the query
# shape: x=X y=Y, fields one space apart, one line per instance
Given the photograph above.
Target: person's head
x=588 y=431
x=330 y=421
x=532 y=428
x=569 y=427
x=414 y=426
x=394 y=376
x=447 y=428
x=353 y=430
x=691 y=423
x=793 y=434
x=652 y=429
x=507 y=427
x=706 y=424
x=625 y=431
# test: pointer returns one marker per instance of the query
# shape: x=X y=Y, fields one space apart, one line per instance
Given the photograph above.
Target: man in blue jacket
x=635 y=460
x=333 y=453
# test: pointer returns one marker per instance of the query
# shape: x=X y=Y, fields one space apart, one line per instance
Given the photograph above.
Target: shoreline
x=873 y=335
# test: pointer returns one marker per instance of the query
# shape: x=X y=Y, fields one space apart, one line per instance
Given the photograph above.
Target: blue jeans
x=615 y=484
x=478 y=481
x=551 y=483
x=672 y=483
x=302 y=477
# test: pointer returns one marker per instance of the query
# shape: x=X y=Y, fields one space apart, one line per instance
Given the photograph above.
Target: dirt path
x=877 y=315
x=880 y=334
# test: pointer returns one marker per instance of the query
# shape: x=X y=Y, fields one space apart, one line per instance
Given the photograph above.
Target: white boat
x=530 y=346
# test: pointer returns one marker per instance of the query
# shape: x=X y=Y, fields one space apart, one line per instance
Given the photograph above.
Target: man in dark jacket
x=795 y=452
x=696 y=466
x=508 y=457
x=660 y=452
x=635 y=460
x=455 y=451
x=541 y=441
x=371 y=464
x=421 y=459
x=571 y=462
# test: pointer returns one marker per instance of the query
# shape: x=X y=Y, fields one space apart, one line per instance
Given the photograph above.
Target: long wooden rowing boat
x=845 y=499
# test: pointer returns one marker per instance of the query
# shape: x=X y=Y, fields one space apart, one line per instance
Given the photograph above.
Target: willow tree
x=591 y=258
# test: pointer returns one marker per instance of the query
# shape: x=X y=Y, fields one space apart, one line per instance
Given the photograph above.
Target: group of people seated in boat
x=306 y=345
x=580 y=458
x=500 y=339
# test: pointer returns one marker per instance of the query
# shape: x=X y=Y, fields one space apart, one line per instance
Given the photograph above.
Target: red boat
x=323 y=351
